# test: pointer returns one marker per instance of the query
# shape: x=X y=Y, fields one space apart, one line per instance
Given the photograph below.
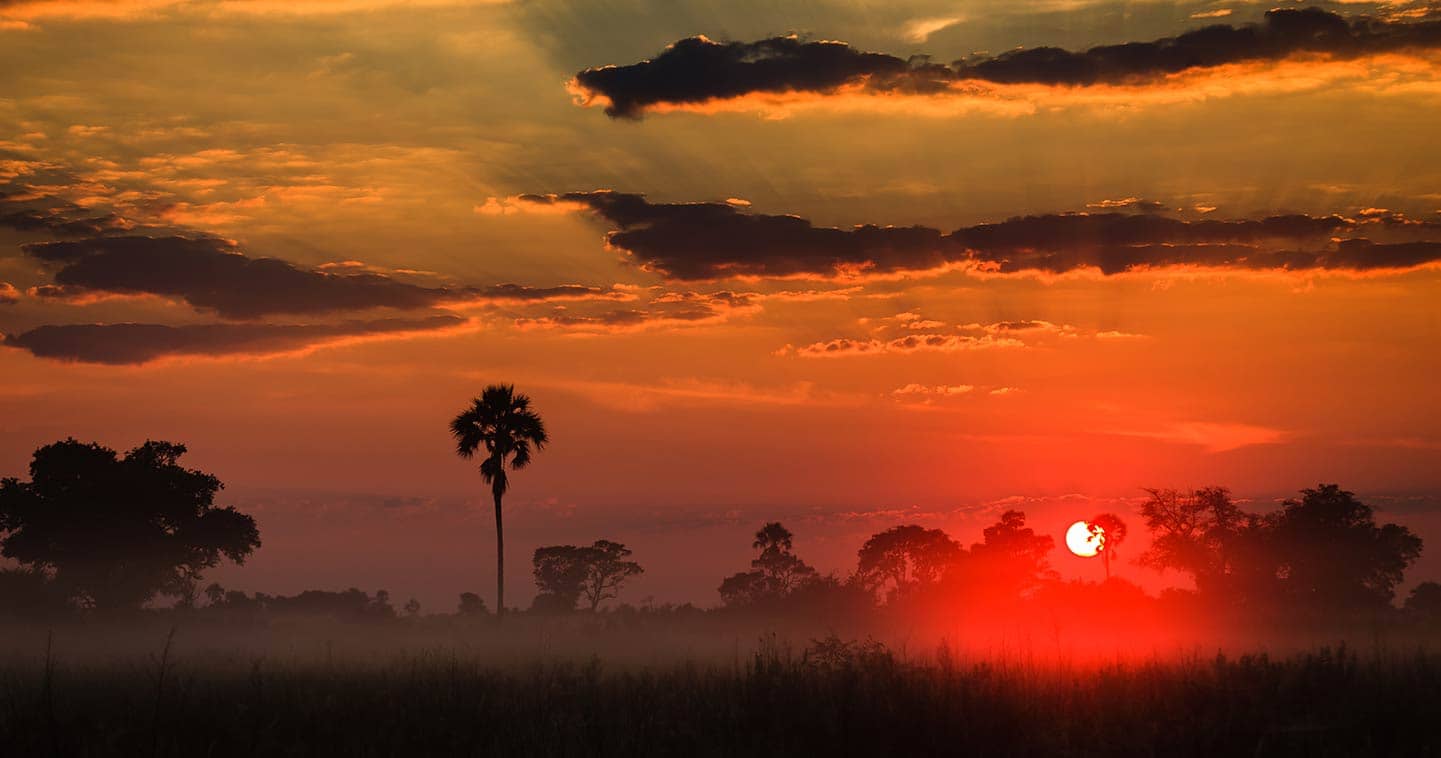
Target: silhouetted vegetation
x=347 y=605
x=1321 y=554
x=837 y=697
x=109 y=532
x=1022 y=663
x=1112 y=531
x=566 y=573
x=905 y=559
x=775 y=575
x=472 y=605
x=501 y=425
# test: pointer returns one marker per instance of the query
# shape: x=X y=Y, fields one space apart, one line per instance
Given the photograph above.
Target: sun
x=1085 y=540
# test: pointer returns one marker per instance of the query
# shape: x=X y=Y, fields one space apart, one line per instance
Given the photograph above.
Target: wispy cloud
x=1211 y=436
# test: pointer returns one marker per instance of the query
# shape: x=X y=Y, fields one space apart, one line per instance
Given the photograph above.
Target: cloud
x=519 y=293
x=711 y=241
x=668 y=310
x=921 y=29
x=56 y=224
x=915 y=343
x=698 y=70
x=717 y=240
x=28 y=209
x=1213 y=437
x=123 y=10
x=1129 y=203
x=1214 y=13
x=690 y=391
x=212 y=274
x=8 y=294
x=119 y=344
x=909 y=333
x=933 y=389
x=115 y=9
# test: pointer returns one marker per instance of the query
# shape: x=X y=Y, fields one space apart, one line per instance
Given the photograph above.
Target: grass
x=832 y=699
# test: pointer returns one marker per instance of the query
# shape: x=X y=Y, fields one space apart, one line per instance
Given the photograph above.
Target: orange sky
x=395 y=141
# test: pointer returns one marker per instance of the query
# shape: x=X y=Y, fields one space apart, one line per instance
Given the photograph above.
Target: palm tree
x=503 y=423
x=1112 y=531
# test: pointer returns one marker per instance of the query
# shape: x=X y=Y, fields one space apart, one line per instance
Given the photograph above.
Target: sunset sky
x=751 y=260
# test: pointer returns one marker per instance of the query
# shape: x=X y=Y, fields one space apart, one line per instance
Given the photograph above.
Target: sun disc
x=1084 y=540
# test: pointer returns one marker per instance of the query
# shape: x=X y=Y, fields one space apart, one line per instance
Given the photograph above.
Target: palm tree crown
x=502 y=423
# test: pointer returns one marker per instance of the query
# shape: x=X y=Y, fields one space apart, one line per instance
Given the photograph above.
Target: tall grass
x=830 y=697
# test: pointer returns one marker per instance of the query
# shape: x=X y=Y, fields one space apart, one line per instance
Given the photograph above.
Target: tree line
x=95 y=529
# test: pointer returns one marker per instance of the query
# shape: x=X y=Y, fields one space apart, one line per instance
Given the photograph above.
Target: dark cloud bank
x=24 y=209
x=697 y=241
x=697 y=70
x=141 y=343
x=212 y=275
x=113 y=257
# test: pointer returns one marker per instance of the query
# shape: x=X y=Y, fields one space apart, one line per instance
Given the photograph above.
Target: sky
x=843 y=264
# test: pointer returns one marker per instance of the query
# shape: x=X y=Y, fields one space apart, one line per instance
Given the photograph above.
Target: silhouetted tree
x=380 y=606
x=1323 y=551
x=775 y=573
x=607 y=570
x=565 y=573
x=1202 y=533
x=744 y=588
x=116 y=531
x=1332 y=554
x=782 y=568
x=501 y=425
x=215 y=594
x=905 y=558
x=560 y=573
x=471 y=604
x=1011 y=559
x=412 y=608
x=1112 y=531
x=351 y=604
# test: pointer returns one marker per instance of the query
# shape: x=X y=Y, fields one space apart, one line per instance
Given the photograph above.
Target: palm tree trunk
x=499 y=563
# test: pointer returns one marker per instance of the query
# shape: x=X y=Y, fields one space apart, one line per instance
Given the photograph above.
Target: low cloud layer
x=119 y=344
x=700 y=241
x=95 y=256
x=667 y=310
x=909 y=332
x=698 y=70
x=212 y=274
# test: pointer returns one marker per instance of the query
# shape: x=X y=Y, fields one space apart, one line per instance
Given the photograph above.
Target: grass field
x=768 y=698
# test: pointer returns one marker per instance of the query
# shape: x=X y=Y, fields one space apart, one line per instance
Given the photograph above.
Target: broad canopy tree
x=115 y=531
x=904 y=559
x=1323 y=551
x=1011 y=558
x=1202 y=533
x=567 y=573
x=1331 y=551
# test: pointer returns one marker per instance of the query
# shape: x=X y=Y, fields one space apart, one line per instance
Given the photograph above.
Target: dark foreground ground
x=832 y=699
